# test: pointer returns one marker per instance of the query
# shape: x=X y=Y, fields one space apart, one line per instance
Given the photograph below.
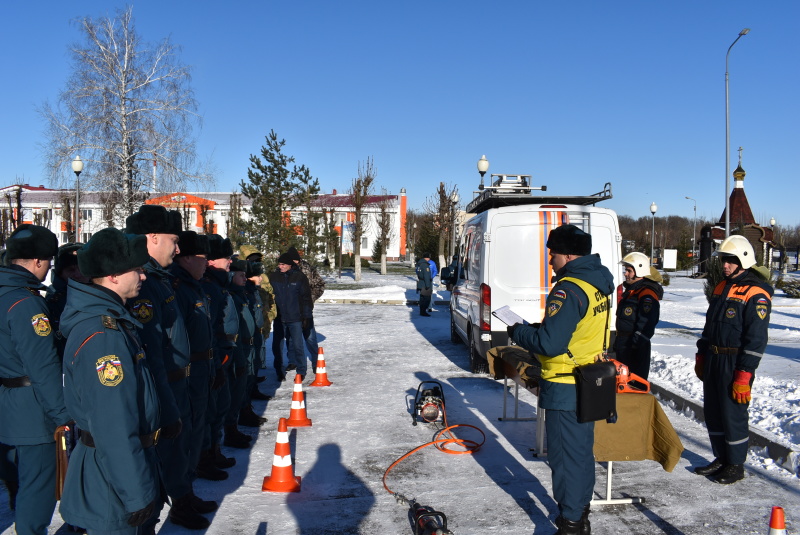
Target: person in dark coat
x=637 y=314
x=64 y=269
x=728 y=352
x=572 y=333
x=164 y=334
x=293 y=297
x=424 y=284
x=112 y=483
x=188 y=268
x=31 y=396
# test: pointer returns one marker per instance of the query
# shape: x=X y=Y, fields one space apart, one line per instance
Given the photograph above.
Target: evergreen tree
x=309 y=191
x=274 y=190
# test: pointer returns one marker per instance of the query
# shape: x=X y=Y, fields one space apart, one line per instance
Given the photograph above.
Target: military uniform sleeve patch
x=647 y=305
x=761 y=310
x=110 y=323
x=560 y=294
x=628 y=311
x=41 y=325
x=143 y=310
x=109 y=370
x=730 y=313
x=553 y=307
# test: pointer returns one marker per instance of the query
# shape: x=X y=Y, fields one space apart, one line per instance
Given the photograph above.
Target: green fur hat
x=569 y=239
x=31 y=241
x=110 y=252
x=154 y=219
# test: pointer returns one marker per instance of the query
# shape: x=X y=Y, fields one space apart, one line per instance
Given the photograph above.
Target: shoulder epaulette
x=109 y=323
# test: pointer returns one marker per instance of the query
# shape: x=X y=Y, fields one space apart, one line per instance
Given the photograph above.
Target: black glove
x=172 y=430
x=139 y=517
x=511 y=329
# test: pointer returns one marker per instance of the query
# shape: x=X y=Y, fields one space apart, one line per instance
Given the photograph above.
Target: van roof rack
x=514 y=190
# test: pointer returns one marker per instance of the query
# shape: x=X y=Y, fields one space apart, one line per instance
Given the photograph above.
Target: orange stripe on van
x=547 y=222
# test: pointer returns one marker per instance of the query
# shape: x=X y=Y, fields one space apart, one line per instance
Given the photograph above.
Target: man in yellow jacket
x=571 y=334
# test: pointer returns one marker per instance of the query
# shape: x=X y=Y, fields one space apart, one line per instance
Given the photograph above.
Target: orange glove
x=698 y=365
x=741 y=386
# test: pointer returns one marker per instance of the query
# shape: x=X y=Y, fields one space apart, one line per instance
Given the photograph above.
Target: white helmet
x=739 y=247
x=639 y=262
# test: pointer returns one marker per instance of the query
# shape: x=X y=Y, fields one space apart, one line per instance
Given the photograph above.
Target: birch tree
x=360 y=192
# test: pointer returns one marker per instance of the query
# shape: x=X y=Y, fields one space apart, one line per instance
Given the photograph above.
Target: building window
x=86 y=215
x=85 y=236
x=364 y=244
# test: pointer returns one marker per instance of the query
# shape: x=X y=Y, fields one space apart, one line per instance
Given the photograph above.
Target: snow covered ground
x=376 y=357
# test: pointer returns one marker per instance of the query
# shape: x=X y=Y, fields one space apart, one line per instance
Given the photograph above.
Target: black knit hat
x=154 y=219
x=110 y=252
x=192 y=243
x=292 y=251
x=569 y=239
x=31 y=241
x=254 y=269
x=67 y=256
x=286 y=258
x=239 y=265
x=219 y=247
x=255 y=257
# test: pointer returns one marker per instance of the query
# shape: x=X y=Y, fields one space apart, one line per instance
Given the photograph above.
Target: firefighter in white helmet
x=638 y=310
x=728 y=353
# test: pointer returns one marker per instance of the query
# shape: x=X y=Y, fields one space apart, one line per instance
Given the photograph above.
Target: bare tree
x=360 y=192
x=385 y=231
x=441 y=207
x=411 y=235
x=126 y=105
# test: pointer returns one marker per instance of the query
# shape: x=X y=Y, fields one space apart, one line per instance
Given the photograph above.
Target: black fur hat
x=31 y=241
x=110 y=252
x=569 y=239
x=154 y=219
x=254 y=269
x=286 y=258
x=67 y=256
x=239 y=265
x=219 y=247
x=192 y=243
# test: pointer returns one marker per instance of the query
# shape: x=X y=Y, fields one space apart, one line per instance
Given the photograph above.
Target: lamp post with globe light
x=77 y=167
x=728 y=142
x=454 y=203
x=483 y=166
x=653 y=210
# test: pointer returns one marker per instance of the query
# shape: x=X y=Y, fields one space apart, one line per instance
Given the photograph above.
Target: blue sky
x=575 y=93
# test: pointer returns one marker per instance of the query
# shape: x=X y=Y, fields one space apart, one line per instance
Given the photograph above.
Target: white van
x=505 y=259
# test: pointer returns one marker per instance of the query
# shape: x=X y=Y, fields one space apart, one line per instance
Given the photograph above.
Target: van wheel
x=477 y=363
x=454 y=337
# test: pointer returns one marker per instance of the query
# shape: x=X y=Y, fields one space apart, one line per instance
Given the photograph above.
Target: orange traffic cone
x=282 y=478
x=777 y=524
x=297 y=416
x=321 y=378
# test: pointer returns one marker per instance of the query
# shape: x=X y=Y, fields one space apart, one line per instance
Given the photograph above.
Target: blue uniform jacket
x=194 y=307
x=553 y=337
x=424 y=275
x=292 y=295
x=637 y=313
x=30 y=414
x=247 y=328
x=163 y=334
x=738 y=317
x=224 y=319
x=56 y=298
x=111 y=393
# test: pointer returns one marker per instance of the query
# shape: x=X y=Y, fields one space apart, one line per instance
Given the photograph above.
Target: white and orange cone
x=298 y=416
x=321 y=377
x=282 y=478
x=777 y=523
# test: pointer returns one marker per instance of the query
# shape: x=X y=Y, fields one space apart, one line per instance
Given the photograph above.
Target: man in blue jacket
x=293 y=297
x=112 y=483
x=424 y=283
x=571 y=334
x=31 y=397
x=164 y=335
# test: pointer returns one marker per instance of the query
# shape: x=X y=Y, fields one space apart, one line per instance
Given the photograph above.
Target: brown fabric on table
x=642 y=432
x=513 y=361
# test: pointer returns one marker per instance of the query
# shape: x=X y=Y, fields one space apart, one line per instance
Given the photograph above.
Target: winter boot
x=235 y=438
x=709 y=469
x=586 y=526
x=220 y=461
x=202 y=506
x=248 y=418
x=730 y=474
x=182 y=514
x=206 y=468
x=568 y=527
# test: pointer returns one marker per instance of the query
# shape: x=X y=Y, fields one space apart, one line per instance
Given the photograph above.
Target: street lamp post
x=454 y=203
x=483 y=166
x=413 y=243
x=728 y=141
x=653 y=209
x=694 y=233
x=77 y=167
